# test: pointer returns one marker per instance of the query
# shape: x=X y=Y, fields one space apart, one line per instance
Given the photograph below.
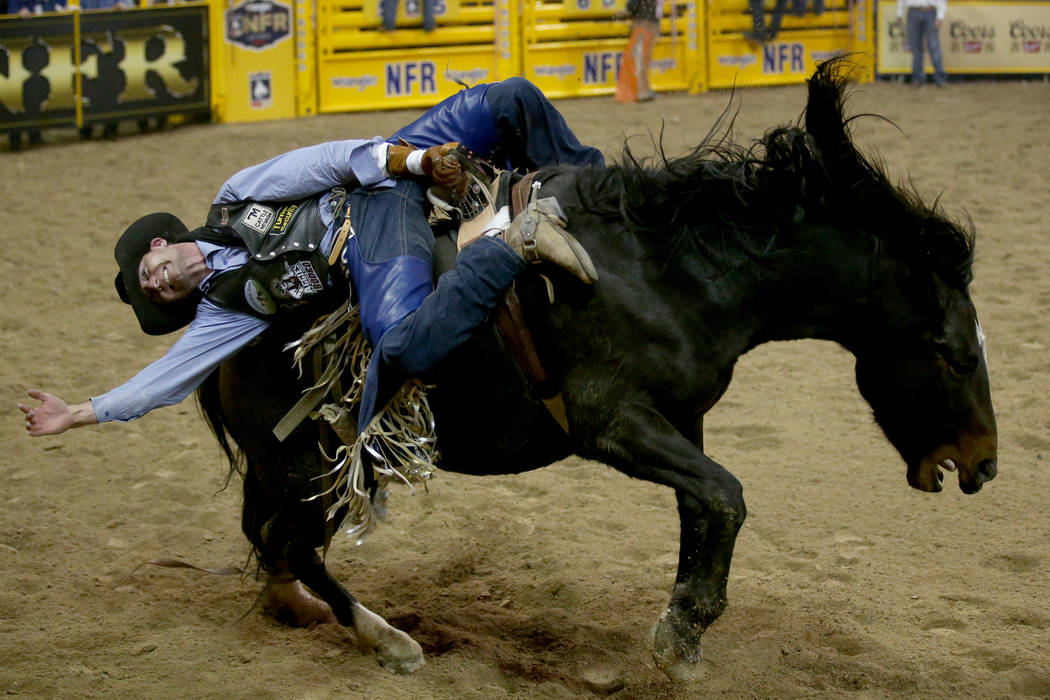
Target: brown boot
x=538 y=234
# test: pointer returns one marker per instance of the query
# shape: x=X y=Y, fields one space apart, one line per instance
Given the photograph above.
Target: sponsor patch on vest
x=299 y=280
x=283 y=218
x=258 y=298
x=258 y=217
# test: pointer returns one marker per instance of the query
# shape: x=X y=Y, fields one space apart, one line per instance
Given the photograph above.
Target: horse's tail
x=209 y=400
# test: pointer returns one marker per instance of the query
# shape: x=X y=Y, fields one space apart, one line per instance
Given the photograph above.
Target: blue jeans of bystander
x=922 y=24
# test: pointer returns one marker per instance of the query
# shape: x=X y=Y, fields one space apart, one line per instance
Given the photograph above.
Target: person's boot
x=538 y=234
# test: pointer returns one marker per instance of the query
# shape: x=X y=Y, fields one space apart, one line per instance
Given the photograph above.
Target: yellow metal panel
x=738 y=62
x=362 y=67
x=408 y=38
x=305 y=59
x=258 y=54
x=575 y=47
x=844 y=26
x=571 y=69
x=400 y=78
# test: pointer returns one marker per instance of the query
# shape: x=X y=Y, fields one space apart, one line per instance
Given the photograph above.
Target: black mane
x=729 y=201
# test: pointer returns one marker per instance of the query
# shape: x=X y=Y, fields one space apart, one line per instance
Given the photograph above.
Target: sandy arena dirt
x=846 y=582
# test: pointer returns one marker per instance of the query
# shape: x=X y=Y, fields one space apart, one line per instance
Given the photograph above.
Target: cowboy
x=276 y=231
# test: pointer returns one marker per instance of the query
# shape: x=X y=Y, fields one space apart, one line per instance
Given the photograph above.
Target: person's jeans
x=922 y=23
x=533 y=132
x=411 y=323
x=388 y=10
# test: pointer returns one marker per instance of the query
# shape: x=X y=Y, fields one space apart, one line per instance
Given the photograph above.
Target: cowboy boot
x=538 y=234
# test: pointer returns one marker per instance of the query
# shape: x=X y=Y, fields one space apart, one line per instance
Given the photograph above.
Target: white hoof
x=395 y=651
x=668 y=658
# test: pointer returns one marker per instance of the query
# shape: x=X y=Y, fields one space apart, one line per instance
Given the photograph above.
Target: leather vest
x=287 y=268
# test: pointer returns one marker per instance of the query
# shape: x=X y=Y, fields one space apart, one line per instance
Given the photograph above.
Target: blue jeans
x=388 y=10
x=922 y=23
x=411 y=324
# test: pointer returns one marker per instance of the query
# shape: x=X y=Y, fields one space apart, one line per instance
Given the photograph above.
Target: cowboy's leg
x=412 y=323
x=533 y=132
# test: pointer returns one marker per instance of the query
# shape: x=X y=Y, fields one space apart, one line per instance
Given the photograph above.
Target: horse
x=701 y=258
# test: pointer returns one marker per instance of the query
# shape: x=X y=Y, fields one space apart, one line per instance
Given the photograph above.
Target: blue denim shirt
x=216 y=333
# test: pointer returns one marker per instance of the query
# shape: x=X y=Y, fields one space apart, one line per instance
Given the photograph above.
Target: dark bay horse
x=701 y=258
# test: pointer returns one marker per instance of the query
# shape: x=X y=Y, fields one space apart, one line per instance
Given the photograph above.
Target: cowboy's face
x=163 y=274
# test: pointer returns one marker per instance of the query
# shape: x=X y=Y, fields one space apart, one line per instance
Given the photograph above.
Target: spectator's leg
x=778 y=16
x=388 y=11
x=914 y=29
x=428 y=15
x=533 y=131
x=933 y=42
x=758 y=22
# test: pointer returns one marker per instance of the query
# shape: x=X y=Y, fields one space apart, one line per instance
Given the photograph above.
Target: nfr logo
x=601 y=67
x=410 y=78
x=258 y=24
x=783 y=58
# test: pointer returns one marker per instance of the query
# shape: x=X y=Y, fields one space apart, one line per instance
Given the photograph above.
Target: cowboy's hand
x=441 y=165
x=53 y=415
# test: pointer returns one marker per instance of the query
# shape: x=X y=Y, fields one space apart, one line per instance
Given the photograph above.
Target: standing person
x=923 y=22
x=270 y=245
x=632 y=84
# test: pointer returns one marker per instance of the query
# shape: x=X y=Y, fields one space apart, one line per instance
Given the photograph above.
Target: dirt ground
x=846 y=582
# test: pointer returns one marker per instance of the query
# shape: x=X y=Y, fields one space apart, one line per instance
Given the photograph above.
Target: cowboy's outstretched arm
x=54 y=416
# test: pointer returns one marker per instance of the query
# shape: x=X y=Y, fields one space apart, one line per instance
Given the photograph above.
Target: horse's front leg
x=711 y=509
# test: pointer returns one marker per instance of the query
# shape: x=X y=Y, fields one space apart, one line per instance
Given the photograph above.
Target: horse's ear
x=825 y=120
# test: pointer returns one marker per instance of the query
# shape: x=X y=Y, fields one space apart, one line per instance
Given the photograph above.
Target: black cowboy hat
x=154 y=318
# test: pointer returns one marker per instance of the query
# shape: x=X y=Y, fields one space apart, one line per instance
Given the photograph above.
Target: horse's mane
x=729 y=201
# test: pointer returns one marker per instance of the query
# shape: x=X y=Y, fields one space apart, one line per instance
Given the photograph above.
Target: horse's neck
x=824 y=287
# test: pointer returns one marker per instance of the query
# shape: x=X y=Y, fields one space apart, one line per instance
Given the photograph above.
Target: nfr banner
x=71 y=70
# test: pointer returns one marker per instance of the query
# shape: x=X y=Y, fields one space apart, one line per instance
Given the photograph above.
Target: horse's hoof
x=401 y=656
x=667 y=653
x=395 y=651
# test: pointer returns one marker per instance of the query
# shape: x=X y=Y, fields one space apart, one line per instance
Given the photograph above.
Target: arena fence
x=805 y=37
x=97 y=67
x=572 y=48
x=248 y=60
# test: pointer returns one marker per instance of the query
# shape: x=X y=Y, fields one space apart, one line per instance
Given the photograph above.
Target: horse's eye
x=961 y=368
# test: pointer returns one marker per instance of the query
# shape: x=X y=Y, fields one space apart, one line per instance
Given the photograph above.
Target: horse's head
x=920 y=358
x=927 y=383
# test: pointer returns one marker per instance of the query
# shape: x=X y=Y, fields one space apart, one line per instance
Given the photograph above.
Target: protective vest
x=287 y=268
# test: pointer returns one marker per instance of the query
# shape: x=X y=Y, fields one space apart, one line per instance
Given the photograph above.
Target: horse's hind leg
x=394 y=650
x=284 y=543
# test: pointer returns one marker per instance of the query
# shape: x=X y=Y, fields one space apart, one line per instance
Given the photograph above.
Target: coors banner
x=976 y=37
x=131 y=64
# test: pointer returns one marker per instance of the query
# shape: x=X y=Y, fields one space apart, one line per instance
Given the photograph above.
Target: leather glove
x=437 y=162
x=441 y=165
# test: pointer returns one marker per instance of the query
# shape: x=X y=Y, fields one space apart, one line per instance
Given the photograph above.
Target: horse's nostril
x=987 y=469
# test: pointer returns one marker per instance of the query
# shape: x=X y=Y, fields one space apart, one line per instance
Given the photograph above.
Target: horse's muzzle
x=974 y=459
